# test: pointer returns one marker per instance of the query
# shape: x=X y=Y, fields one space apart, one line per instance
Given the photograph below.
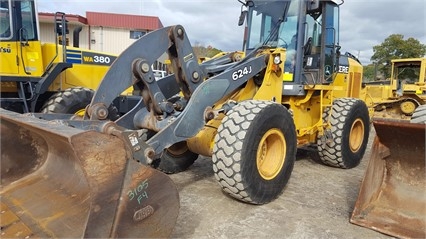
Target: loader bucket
x=392 y=197
x=58 y=181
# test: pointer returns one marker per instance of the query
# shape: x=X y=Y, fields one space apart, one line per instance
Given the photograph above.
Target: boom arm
x=133 y=67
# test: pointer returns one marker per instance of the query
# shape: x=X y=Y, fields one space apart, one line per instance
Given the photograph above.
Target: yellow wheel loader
x=292 y=89
x=44 y=77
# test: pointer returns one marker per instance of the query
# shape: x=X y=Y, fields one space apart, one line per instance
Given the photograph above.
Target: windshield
x=272 y=23
x=407 y=72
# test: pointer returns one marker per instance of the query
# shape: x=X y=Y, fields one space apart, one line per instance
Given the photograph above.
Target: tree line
x=393 y=47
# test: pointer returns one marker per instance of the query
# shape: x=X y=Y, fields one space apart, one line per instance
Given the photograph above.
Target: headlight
x=277 y=60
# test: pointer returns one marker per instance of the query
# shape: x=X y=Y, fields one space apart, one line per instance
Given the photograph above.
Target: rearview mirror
x=242 y=15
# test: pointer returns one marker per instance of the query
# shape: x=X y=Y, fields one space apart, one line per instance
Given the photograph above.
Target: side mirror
x=312 y=5
x=242 y=15
x=60 y=29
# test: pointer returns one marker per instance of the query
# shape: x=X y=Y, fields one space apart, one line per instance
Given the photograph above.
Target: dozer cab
x=293 y=89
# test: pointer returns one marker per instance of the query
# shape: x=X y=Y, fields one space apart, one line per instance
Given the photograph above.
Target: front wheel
x=254 y=151
x=177 y=158
x=345 y=144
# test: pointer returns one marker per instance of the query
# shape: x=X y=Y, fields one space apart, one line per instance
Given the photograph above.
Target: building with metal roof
x=105 y=32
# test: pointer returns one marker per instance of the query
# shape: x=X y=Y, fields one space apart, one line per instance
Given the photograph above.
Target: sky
x=363 y=23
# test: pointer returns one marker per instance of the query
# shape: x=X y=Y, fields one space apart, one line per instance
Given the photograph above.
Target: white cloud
x=364 y=23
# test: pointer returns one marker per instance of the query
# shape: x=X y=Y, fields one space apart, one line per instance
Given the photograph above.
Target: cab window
x=5 y=20
x=29 y=19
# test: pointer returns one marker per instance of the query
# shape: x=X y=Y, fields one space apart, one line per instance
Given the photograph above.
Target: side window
x=260 y=29
x=314 y=31
x=5 y=20
x=28 y=19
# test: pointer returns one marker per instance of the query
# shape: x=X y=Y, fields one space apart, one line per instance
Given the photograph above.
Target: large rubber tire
x=177 y=158
x=68 y=101
x=345 y=146
x=73 y=100
x=419 y=115
x=255 y=150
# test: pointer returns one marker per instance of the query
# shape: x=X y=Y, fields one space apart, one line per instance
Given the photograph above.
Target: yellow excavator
x=92 y=176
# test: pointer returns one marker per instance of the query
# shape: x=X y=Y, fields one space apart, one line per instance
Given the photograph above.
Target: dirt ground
x=317 y=203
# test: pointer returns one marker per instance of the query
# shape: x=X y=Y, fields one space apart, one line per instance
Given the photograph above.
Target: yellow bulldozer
x=399 y=96
x=292 y=89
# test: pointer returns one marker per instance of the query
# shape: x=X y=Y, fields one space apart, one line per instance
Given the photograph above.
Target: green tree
x=395 y=47
x=203 y=51
x=369 y=73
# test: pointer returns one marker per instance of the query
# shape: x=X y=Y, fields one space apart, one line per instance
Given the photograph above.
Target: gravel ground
x=317 y=203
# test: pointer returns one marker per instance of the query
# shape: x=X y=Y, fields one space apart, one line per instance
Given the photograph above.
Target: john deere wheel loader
x=44 y=77
x=249 y=115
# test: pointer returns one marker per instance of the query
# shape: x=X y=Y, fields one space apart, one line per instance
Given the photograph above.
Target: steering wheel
x=284 y=43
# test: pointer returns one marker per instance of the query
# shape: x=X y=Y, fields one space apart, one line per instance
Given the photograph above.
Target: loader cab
x=308 y=30
x=20 y=46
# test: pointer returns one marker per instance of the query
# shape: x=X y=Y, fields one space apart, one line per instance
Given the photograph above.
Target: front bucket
x=58 y=181
x=392 y=197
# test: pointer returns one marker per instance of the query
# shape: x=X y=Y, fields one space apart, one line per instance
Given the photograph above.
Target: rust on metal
x=392 y=197
x=58 y=181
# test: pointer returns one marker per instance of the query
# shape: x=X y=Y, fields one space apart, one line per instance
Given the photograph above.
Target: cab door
x=8 y=44
x=20 y=45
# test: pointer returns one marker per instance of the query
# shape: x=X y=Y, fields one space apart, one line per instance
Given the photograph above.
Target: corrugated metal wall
x=111 y=40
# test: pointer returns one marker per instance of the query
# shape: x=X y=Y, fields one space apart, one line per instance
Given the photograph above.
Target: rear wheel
x=69 y=101
x=74 y=101
x=345 y=146
x=254 y=151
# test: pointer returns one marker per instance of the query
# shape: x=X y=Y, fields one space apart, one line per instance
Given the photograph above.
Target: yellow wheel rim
x=80 y=113
x=178 y=148
x=271 y=154
x=408 y=107
x=356 y=136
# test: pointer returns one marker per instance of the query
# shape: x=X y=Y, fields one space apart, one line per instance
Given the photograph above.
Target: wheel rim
x=80 y=113
x=178 y=149
x=271 y=154
x=408 y=107
x=356 y=136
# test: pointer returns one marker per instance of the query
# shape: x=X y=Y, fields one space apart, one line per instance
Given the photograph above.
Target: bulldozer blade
x=392 y=197
x=58 y=181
